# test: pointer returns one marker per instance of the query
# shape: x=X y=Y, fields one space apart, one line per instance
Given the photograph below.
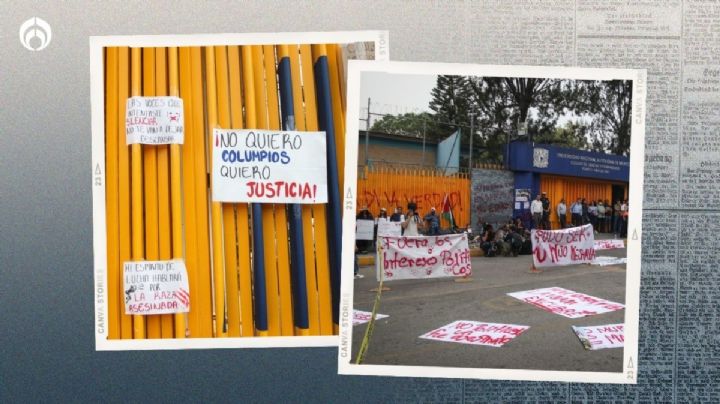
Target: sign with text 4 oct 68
x=265 y=166
x=421 y=257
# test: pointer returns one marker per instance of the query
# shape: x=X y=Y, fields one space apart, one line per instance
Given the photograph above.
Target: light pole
x=472 y=134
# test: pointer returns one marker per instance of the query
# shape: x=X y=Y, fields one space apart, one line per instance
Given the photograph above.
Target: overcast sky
x=395 y=93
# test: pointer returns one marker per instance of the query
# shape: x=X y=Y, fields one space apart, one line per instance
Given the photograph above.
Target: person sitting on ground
x=433 y=223
x=502 y=247
x=515 y=239
x=486 y=241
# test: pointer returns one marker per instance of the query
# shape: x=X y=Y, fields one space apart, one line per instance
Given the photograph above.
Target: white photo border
x=97 y=97
x=632 y=286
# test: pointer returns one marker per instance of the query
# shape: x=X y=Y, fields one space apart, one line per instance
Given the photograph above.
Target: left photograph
x=217 y=171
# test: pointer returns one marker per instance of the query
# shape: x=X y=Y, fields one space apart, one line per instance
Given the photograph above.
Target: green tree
x=409 y=124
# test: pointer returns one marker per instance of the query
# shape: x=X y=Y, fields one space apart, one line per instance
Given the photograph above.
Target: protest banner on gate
x=575 y=245
x=361 y=317
x=609 y=244
x=476 y=333
x=268 y=166
x=364 y=229
x=156 y=287
x=421 y=257
x=154 y=120
x=388 y=228
x=601 y=336
x=566 y=302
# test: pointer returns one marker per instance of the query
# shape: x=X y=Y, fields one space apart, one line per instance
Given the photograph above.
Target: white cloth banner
x=154 y=120
x=361 y=317
x=609 y=244
x=601 y=336
x=605 y=261
x=364 y=229
x=476 y=333
x=566 y=302
x=156 y=287
x=388 y=228
x=563 y=247
x=269 y=166
x=421 y=257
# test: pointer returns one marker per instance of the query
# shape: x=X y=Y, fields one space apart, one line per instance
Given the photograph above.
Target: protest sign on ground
x=156 y=287
x=566 y=302
x=422 y=257
x=605 y=261
x=609 y=244
x=269 y=166
x=361 y=317
x=476 y=333
x=154 y=120
x=563 y=247
x=601 y=336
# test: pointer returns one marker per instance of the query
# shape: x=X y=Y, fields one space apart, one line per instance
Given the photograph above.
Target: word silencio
x=265 y=166
x=575 y=245
x=421 y=257
x=154 y=120
x=156 y=287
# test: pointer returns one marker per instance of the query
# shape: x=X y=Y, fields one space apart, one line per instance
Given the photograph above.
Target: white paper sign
x=605 y=261
x=269 y=166
x=563 y=247
x=423 y=257
x=476 y=333
x=388 y=228
x=609 y=244
x=156 y=287
x=566 y=302
x=154 y=120
x=601 y=336
x=361 y=317
x=364 y=229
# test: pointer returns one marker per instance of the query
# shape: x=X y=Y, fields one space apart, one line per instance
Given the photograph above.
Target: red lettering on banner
x=540 y=254
x=301 y=190
x=582 y=254
x=375 y=199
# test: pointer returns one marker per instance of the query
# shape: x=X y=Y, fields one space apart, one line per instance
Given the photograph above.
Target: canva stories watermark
x=35 y=34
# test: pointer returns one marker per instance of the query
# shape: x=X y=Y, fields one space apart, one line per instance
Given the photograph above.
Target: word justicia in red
x=281 y=189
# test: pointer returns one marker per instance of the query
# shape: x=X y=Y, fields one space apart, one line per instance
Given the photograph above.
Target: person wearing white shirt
x=562 y=212
x=536 y=209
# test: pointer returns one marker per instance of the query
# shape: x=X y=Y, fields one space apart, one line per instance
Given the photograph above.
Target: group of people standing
x=411 y=222
x=604 y=216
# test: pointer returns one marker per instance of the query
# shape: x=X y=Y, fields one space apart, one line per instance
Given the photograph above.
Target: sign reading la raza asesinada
x=266 y=166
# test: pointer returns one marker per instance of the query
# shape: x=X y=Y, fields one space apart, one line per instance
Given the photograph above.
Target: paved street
x=416 y=307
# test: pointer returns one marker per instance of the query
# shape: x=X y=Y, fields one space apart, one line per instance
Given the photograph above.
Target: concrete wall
x=491 y=197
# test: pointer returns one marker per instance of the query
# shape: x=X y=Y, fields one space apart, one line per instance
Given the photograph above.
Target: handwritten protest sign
x=566 y=302
x=361 y=317
x=601 y=336
x=364 y=229
x=563 y=247
x=424 y=257
x=609 y=244
x=154 y=120
x=156 y=287
x=269 y=166
x=476 y=333
x=605 y=261
x=388 y=228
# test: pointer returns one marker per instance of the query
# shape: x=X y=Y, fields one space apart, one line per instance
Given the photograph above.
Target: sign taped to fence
x=154 y=120
x=361 y=317
x=156 y=287
x=609 y=244
x=551 y=248
x=388 y=228
x=421 y=257
x=566 y=302
x=476 y=333
x=364 y=229
x=601 y=336
x=252 y=165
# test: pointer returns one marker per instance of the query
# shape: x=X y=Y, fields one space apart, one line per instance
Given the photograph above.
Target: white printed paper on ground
x=422 y=257
x=361 y=317
x=265 y=166
x=156 y=287
x=601 y=336
x=609 y=244
x=154 y=120
x=605 y=261
x=476 y=333
x=566 y=302
x=563 y=247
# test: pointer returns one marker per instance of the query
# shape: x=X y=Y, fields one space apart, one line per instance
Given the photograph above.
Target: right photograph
x=496 y=219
